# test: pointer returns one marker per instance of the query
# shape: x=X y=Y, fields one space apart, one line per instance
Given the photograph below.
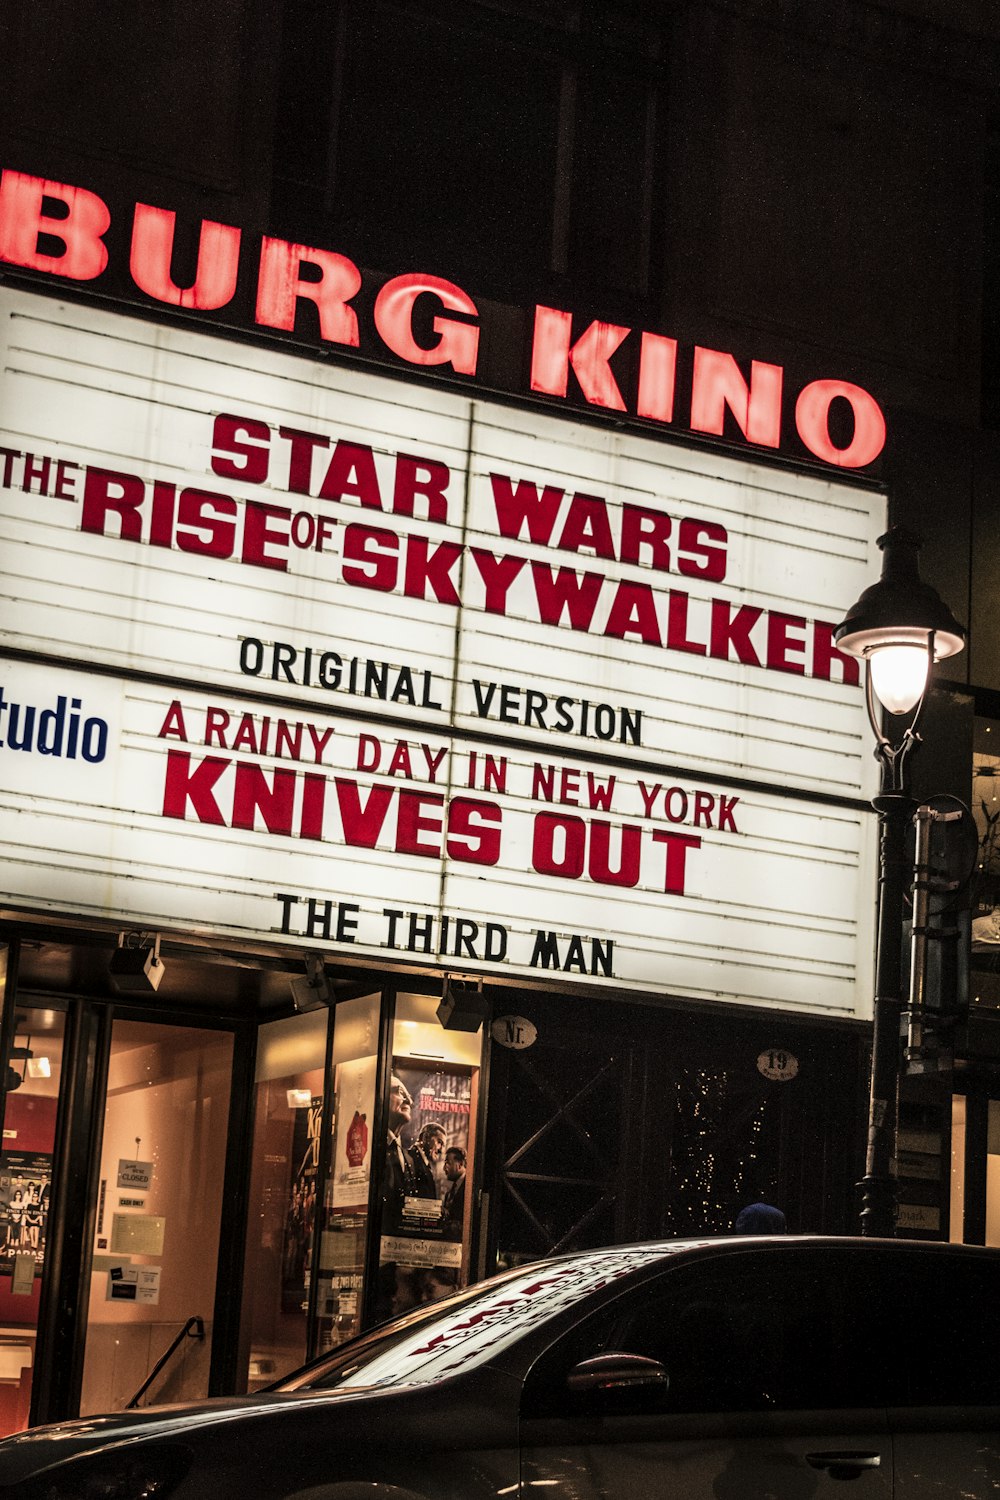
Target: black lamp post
x=900 y=626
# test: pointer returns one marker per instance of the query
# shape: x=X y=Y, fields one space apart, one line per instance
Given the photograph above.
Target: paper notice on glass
x=137 y=1234
x=148 y=1284
x=418 y=1252
x=100 y=1265
x=23 y=1278
x=421 y=1208
x=134 y=1174
x=123 y=1284
x=338 y=1251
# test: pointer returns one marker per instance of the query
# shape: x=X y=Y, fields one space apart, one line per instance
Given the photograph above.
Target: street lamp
x=899 y=626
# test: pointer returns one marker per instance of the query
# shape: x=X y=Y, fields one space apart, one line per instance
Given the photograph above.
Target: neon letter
x=281 y=286
x=552 y=354
x=657 y=369
x=457 y=344
x=153 y=245
x=812 y=418
x=22 y=220
x=718 y=383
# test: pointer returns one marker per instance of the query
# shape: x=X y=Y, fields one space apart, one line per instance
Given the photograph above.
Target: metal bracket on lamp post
x=936 y=886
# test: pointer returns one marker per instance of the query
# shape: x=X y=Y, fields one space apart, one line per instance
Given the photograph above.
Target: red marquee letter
x=457 y=344
x=22 y=220
x=281 y=286
x=678 y=844
x=568 y=864
x=812 y=417
x=153 y=246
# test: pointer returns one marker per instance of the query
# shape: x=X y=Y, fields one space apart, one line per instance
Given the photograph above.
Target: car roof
x=506 y=1316
x=655 y=1251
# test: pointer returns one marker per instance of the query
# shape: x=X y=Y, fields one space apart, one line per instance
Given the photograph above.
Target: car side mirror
x=616 y=1371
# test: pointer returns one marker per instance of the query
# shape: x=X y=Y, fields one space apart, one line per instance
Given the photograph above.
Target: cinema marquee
x=317 y=656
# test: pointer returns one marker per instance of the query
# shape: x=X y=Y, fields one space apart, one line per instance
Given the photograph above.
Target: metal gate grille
x=560 y=1160
x=633 y=1123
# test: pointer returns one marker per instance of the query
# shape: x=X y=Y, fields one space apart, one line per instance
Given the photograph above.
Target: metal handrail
x=194 y=1328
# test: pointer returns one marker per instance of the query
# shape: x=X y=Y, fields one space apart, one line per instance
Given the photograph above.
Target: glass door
x=342 y=1245
x=345 y=1227
x=33 y=1067
x=310 y=1186
x=158 y=1214
x=277 y=1282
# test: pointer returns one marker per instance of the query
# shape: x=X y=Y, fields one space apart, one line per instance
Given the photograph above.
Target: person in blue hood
x=760 y=1218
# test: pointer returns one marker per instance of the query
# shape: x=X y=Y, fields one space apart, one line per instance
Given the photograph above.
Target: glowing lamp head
x=897 y=624
x=899 y=675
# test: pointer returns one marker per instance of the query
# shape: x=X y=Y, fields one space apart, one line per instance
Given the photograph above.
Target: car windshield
x=469 y=1328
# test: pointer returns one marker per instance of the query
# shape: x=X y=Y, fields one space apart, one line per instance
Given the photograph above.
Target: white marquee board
x=768 y=910
x=100 y=392
x=698 y=648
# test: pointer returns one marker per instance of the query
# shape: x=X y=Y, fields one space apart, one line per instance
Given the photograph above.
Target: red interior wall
x=29 y=1125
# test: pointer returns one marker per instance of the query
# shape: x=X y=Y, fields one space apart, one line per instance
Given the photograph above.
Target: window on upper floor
x=508 y=146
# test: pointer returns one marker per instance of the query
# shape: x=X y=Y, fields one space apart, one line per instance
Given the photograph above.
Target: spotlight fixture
x=463 y=1005
x=310 y=991
x=34 y=1067
x=136 y=967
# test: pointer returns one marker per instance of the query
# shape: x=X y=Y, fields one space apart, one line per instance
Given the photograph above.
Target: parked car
x=727 y=1369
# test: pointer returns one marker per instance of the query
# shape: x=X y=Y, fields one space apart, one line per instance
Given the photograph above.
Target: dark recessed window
x=991 y=282
x=509 y=153
x=446 y=146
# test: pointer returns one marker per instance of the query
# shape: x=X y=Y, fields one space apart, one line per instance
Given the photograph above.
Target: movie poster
x=300 y=1214
x=25 y=1181
x=352 y=1157
x=441 y=1096
x=424 y=1217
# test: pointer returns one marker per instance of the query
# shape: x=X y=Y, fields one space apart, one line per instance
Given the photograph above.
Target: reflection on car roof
x=504 y=1309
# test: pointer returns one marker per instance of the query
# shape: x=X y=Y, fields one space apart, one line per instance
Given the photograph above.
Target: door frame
x=65 y=1292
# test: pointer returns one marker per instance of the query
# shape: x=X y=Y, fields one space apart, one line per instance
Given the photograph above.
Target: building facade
x=437 y=444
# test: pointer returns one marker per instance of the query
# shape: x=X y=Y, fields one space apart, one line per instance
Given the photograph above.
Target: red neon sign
x=719 y=389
